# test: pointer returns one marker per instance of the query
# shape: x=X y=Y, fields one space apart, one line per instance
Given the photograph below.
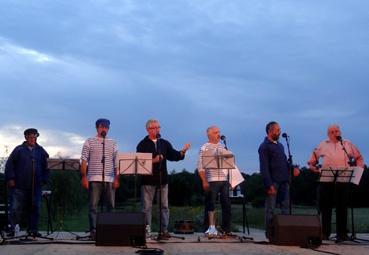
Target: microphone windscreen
x=339 y=138
x=284 y=135
x=103 y=134
x=158 y=136
x=222 y=137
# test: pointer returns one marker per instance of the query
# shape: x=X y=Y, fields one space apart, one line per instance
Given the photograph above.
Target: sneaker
x=212 y=231
x=148 y=232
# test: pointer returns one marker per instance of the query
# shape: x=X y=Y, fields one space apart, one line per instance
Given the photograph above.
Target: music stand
x=63 y=165
x=342 y=175
x=356 y=174
x=135 y=164
x=220 y=159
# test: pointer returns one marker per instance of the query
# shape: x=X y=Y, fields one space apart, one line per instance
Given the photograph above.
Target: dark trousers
x=25 y=209
x=221 y=187
x=331 y=195
x=206 y=211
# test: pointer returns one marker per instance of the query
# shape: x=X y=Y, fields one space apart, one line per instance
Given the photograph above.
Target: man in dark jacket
x=161 y=151
x=274 y=169
x=25 y=172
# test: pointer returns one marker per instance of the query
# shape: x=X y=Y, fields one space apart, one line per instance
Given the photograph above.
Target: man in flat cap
x=25 y=172
x=100 y=153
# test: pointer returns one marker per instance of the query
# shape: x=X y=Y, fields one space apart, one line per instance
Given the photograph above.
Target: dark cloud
x=190 y=64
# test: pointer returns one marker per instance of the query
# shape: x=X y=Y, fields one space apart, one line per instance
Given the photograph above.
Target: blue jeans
x=221 y=187
x=97 y=190
x=147 y=194
x=25 y=208
x=282 y=198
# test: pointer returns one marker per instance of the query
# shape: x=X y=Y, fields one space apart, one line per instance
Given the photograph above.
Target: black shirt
x=164 y=148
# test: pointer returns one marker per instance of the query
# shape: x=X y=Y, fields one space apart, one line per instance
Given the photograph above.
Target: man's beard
x=275 y=137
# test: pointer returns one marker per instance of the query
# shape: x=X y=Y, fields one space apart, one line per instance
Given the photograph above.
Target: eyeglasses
x=154 y=127
x=334 y=131
x=32 y=136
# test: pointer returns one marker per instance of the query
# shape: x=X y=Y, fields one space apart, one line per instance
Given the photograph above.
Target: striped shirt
x=92 y=153
x=212 y=175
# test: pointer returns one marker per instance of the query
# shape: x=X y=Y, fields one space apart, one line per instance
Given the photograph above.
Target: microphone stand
x=290 y=166
x=351 y=162
x=29 y=234
x=103 y=134
x=161 y=234
x=244 y=213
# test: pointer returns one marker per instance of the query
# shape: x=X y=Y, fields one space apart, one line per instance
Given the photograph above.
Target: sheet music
x=63 y=164
x=235 y=177
x=218 y=159
x=343 y=174
x=127 y=163
x=224 y=161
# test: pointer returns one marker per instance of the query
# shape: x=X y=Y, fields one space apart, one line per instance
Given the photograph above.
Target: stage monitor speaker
x=300 y=230
x=120 y=229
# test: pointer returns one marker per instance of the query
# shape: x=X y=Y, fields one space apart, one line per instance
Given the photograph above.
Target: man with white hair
x=334 y=156
x=215 y=181
x=162 y=151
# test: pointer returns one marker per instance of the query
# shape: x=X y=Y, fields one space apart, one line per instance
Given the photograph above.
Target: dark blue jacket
x=165 y=149
x=19 y=166
x=273 y=163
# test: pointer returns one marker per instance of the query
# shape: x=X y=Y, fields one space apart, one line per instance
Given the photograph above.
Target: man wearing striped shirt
x=215 y=181
x=99 y=153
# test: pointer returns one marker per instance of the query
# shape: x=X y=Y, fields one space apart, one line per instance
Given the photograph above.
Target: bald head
x=333 y=131
x=213 y=133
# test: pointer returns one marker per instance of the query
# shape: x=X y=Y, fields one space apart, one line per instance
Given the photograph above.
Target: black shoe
x=165 y=234
x=92 y=236
x=34 y=234
x=325 y=237
x=341 y=239
x=10 y=233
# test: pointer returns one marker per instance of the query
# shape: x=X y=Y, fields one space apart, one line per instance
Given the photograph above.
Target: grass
x=79 y=220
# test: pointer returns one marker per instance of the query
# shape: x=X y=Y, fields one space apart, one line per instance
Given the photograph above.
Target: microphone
x=339 y=138
x=284 y=135
x=103 y=134
x=158 y=136
x=223 y=138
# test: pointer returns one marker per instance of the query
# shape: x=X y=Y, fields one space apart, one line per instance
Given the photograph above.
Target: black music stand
x=357 y=173
x=135 y=164
x=62 y=165
x=337 y=175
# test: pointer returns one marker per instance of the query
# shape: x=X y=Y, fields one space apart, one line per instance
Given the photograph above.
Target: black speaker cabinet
x=120 y=229
x=300 y=230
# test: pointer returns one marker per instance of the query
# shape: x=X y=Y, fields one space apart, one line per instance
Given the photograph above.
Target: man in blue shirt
x=25 y=172
x=274 y=169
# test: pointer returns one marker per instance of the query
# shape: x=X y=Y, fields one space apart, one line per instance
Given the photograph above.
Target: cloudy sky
x=189 y=63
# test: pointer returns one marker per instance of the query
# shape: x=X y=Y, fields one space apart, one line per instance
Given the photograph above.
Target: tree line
x=185 y=190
